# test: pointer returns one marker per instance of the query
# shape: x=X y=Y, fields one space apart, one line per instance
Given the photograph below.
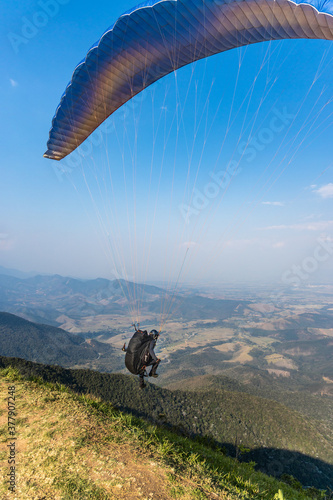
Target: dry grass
x=65 y=452
x=72 y=447
x=60 y=447
x=281 y=361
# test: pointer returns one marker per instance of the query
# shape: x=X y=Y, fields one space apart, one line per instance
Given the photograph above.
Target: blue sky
x=272 y=131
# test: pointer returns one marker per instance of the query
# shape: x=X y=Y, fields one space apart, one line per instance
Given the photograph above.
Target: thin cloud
x=311 y=217
x=310 y=226
x=325 y=191
x=273 y=203
x=254 y=242
x=5 y=242
x=279 y=244
x=13 y=83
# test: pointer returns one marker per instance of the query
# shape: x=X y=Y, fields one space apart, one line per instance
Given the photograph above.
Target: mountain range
x=257 y=384
x=49 y=299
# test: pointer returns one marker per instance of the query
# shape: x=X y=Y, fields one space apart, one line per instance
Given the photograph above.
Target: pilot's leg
x=141 y=379
x=152 y=372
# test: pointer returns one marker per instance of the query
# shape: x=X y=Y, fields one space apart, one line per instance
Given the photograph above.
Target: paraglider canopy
x=160 y=36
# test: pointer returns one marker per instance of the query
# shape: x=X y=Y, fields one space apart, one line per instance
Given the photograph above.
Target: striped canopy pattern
x=160 y=36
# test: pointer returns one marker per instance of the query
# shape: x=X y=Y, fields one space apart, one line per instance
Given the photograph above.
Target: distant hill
x=48 y=298
x=312 y=356
x=16 y=272
x=47 y=344
x=274 y=433
x=309 y=363
x=79 y=447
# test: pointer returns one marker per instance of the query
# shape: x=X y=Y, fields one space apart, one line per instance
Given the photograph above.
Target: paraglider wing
x=160 y=36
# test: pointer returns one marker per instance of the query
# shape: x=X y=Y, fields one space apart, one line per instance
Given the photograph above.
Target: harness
x=135 y=352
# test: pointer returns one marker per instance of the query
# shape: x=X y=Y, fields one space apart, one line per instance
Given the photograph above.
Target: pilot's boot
x=152 y=372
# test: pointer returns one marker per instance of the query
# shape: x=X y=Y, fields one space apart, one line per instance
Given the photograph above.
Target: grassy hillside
x=78 y=447
x=281 y=440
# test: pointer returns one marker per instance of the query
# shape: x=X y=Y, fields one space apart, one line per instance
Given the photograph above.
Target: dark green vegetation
x=318 y=408
x=183 y=468
x=47 y=344
x=312 y=356
x=280 y=439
